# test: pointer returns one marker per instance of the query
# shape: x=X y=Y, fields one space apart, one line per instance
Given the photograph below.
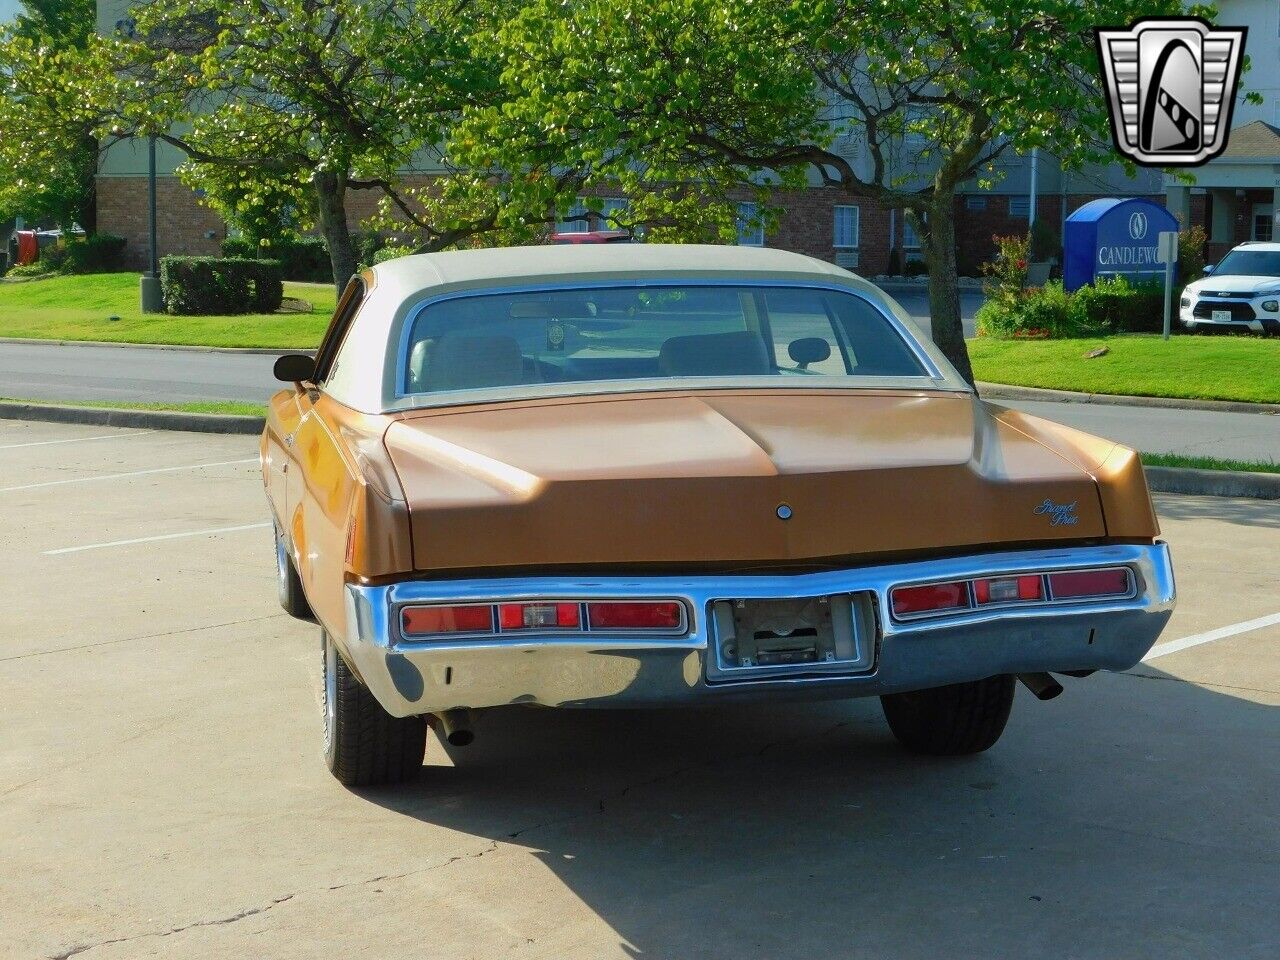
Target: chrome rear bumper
x=415 y=676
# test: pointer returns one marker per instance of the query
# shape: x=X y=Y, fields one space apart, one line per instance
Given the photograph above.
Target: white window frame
x=852 y=241
x=610 y=206
x=975 y=202
x=579 y=209
x=749 y=236
x=909 y=239
x=1021 y=201
x=1263 y=213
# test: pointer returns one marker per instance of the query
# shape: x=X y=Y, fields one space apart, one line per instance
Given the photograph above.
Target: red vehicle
x=593 y=236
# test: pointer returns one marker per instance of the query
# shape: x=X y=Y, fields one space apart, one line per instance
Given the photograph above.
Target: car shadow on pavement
x=1249 y=513
x=1133 y=816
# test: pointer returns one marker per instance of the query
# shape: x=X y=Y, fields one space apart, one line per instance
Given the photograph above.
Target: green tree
x=48 y=151
x=707 y=98
x=301 y=101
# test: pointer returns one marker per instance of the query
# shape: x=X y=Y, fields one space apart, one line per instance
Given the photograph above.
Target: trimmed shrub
x=1116 y=305
x=96 y=253
x=212 y=285
x=300 y=258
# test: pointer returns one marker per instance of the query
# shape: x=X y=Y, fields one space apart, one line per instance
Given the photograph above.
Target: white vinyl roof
x=397 y=288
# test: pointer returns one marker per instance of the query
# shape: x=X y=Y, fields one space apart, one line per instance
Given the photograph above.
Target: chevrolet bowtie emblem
x=1171 y=85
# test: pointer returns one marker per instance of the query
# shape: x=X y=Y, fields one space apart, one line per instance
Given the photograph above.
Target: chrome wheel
x=282 y=570
x=330 y=653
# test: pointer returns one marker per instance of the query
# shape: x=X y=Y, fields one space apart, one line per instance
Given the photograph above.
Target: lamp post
x=152 y=299
x=149 y=286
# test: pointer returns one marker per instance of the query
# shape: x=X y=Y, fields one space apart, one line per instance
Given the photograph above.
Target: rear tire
x=950 y=721
x=289 y=584
x=363 y=744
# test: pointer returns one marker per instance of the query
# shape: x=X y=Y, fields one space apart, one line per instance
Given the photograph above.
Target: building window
x=613 y=211
x=1019 y=206
x=909 y=239
x=975 y=203
x=750 y=229
x=1262 y=222
x=845 y=231
x=576 y=220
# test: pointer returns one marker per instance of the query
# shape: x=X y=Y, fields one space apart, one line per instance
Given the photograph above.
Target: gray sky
x=7 y=9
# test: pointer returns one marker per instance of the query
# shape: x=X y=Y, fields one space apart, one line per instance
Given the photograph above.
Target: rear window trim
x=932 y=377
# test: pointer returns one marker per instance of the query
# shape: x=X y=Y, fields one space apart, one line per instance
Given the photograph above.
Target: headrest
x=714 y=355
x=459 y=362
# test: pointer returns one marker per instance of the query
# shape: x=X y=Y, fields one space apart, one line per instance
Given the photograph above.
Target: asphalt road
x=915 y=300
x=131 y=374
x=163 y=795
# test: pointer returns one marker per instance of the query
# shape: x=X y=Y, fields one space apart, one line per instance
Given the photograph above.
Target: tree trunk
x=331 y=197
x=939 y=238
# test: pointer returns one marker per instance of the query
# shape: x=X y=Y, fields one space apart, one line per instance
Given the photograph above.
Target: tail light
x=554 y=616
x=1008 y=589
x=641 y=615
x=1112 y=582
x=459 y=619
x=539 y=616
x=930 y=597
x=938 y=598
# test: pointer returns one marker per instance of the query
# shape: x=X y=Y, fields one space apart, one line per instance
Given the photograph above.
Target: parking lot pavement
x=162 y=792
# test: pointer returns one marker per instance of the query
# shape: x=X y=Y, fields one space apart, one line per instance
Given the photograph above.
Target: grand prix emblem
x=1171 y=85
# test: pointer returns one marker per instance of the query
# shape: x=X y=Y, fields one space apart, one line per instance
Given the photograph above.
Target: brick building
x=1237 y=196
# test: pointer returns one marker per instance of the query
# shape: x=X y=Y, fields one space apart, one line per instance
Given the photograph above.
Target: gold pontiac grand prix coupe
x=655 y=476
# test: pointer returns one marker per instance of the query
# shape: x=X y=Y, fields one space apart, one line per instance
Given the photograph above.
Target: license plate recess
x=755 y=639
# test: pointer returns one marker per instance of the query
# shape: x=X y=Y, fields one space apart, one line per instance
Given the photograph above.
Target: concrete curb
x=1213 y=483
x=183 y=348
x=145 y=419
x=1003 y=391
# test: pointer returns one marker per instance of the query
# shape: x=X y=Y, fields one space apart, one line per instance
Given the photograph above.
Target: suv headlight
x=1186 y=300
x=1271 y=306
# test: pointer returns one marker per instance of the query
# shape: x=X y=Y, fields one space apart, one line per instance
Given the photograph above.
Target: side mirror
x=294 y=368
x=808 y=350
x=1208 y=269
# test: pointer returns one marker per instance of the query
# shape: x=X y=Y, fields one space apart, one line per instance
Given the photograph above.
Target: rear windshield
x=1249 y=263
x=652 y=333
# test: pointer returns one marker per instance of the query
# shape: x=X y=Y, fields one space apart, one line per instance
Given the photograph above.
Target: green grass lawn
x=1209 y=463
x=1193 y=367
x=80 y=308
x=200 y=406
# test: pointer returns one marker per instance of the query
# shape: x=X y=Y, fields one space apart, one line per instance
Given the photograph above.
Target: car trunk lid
x=704 y=479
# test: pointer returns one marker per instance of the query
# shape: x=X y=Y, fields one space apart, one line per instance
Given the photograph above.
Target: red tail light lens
x=1008 y=589
x=642 y=615
x=929 y=597
x=539 y=616
x=461 y=619
x=1113 y=582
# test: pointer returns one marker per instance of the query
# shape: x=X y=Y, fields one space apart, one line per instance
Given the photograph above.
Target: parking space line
x=163 y=536
x=120 y=476
x=101 y=436
x=1173 y=646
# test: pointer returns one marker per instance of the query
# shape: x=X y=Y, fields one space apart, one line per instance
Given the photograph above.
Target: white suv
x=1240 y=293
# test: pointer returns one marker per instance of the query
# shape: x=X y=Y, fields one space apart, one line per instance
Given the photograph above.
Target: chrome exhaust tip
x=455 y=727
x=1041 y=684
